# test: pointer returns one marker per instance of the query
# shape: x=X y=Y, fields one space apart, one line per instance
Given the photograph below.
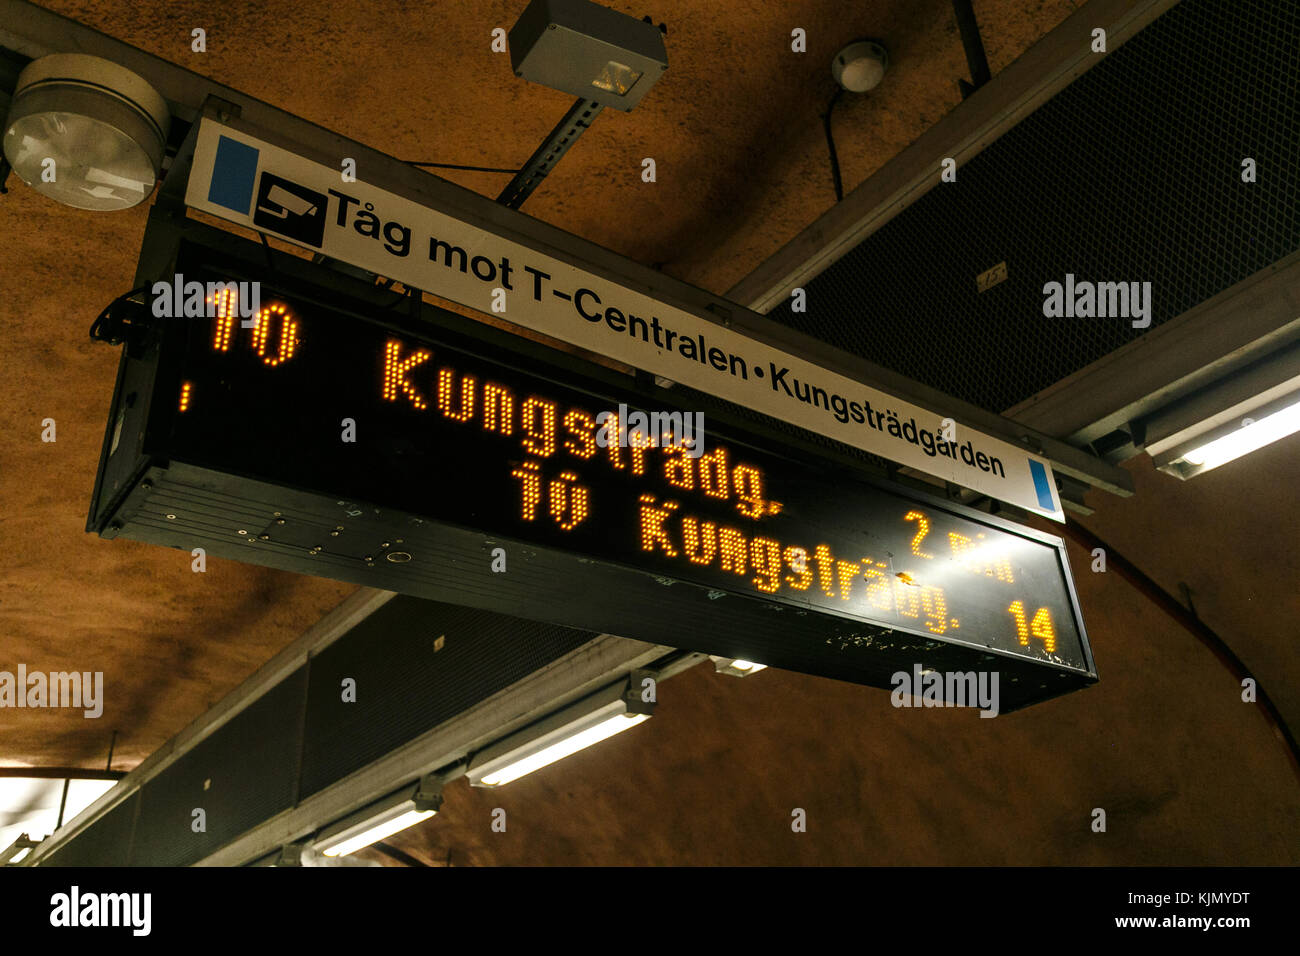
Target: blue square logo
x=233 y=173
x=1042 y=485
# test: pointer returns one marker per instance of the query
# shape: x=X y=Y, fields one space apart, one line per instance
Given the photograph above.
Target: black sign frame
x=154 y=473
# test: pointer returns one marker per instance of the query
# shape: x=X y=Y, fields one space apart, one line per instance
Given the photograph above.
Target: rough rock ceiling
x=736 y=133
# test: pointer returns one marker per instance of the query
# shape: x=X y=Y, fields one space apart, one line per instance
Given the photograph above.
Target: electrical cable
x=479 y=169
x=402 y=296
x=830 y=142
x=96 y=327
x=1193 y=624
x=396 y=853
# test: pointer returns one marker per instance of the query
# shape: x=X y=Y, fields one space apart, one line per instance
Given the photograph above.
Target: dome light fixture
x=860 y=66
x=86 y=132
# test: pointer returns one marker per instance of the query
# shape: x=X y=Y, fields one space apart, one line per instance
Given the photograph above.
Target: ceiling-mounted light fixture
x=381 y=819
x=35 y=802
x=860 y=66
x=1241 y=413
x=589 y=721
x=1249 y=437
x=18 y=851
x=86 y=132
x=735 y=667
x=602 y=57
x=857 y=68
x=588 y=50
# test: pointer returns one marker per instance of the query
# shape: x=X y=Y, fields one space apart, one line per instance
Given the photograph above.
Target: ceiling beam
x=1237 y=327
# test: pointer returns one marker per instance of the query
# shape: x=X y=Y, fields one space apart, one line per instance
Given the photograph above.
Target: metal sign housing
x=254 y=183
x=339 y=439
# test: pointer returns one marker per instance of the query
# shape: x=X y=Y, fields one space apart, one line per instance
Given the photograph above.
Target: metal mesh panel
x=106 y=842
x=408 y=682
x=241 y=775
x=1132 y=173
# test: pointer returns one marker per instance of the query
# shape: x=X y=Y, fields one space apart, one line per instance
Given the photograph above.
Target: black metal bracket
x=976 y=59
x=576 y=122
x=428 y=793
x=124 y=321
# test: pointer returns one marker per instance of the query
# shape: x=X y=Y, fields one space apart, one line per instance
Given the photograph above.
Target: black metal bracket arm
x=126 y=320
x=976 y=59
x=576 y=122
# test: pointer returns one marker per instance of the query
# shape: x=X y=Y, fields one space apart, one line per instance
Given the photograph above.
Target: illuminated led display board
x=347 y=442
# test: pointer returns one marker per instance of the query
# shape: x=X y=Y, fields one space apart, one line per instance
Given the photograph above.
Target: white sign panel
x=256 y=184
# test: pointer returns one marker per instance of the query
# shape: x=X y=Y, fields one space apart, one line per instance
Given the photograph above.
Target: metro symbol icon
x=283 y=206
x=294 y=211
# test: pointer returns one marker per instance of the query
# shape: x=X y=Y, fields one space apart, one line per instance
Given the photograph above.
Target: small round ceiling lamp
x=860 y=66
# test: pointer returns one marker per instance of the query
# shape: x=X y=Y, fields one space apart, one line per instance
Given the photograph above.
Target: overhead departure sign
x=257 y=184
x=384 y=442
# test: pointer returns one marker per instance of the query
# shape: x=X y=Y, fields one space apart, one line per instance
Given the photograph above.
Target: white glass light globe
x=86 y=132
x=860 y=66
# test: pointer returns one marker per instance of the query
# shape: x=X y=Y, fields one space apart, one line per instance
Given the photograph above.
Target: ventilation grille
x=1132 y=173
x=416 y=664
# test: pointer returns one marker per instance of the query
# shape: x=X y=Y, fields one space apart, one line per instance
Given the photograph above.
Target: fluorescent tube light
x=30 y=805
x=18 y=851
x=1241 y=413
x=735 y=667
x=1243 y=441
x=562 y=748
x=376 y=830
x=576 y=727
x=381 y=819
